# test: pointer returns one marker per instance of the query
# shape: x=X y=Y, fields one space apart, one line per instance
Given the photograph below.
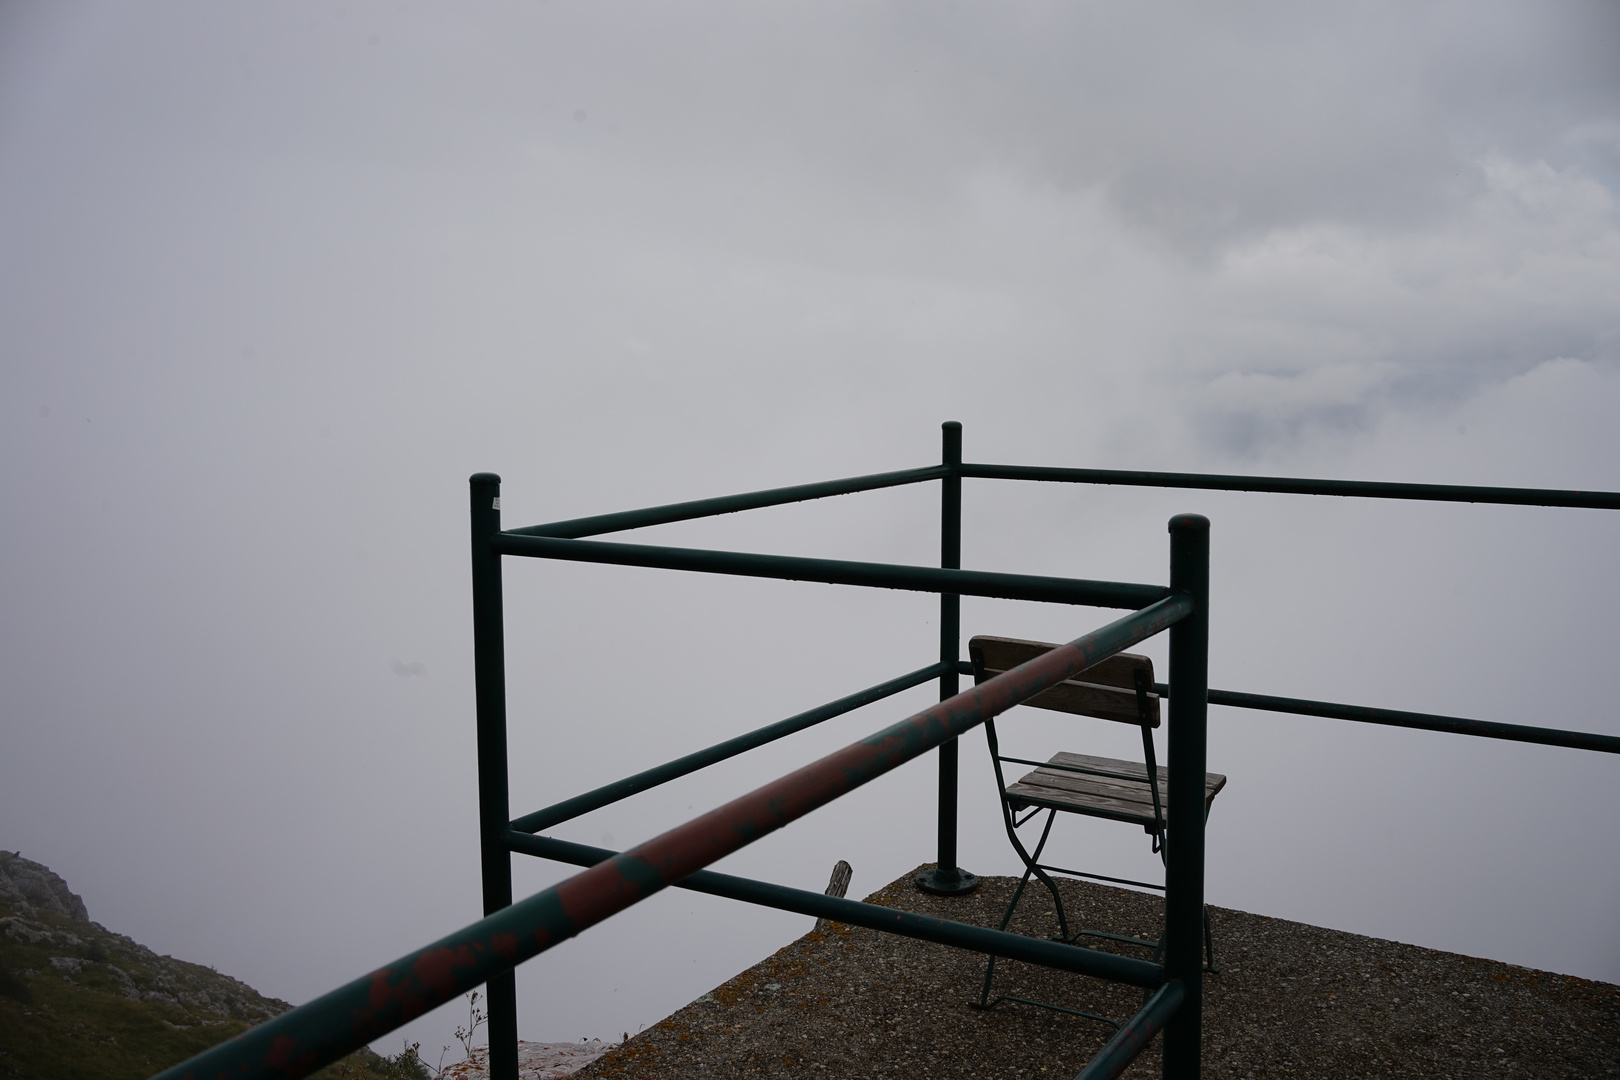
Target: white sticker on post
x=496 y=503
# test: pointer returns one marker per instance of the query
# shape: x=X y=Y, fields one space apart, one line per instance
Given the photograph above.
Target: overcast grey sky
x=274 y=279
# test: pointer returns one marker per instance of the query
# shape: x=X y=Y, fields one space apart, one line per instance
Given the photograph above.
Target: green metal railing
x=486 y=952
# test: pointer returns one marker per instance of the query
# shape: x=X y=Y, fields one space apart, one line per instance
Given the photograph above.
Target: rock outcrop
x=31 y=888
x=77 y=999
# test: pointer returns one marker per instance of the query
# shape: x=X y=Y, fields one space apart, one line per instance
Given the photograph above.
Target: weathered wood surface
x=837 y=885
x=1100 y=796
x=1107 y=690
x=1005 y=652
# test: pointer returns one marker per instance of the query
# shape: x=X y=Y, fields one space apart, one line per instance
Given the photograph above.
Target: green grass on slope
x=109 y=1009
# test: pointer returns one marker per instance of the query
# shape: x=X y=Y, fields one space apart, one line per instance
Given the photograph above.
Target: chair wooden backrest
x=1119 y=688
x=1108 y=690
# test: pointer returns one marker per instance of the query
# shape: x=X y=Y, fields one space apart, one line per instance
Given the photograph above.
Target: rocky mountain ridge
x=80 y=1001
x=30 y=887
x=48 y=916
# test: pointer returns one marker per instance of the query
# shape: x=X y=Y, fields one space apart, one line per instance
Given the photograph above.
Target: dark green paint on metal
x=1108 y=594
x=1287 y=485
x=1133 y=1037
x=945 y=878
x=1451 y=725
x=729 y=504
x=1184 y=846
x=651 y=778
x=1046 y=953
x=489 y=675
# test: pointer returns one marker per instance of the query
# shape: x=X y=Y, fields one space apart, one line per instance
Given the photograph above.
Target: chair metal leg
x=1032 y=865
x=985 y=1001
x=990 y=969
x=1006 y=917
x=1051 y=886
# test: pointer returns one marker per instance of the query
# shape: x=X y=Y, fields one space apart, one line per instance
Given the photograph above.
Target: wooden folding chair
x=1120 y=688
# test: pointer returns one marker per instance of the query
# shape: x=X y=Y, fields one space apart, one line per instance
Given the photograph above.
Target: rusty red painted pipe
x=338 y=1023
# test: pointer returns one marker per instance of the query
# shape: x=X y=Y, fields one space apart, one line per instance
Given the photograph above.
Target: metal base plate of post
x=949 y=882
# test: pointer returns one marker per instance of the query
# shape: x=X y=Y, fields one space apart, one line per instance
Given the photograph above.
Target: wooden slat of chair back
x=1106 y=690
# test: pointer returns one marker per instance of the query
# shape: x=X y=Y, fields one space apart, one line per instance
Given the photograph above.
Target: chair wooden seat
x=1106 y=788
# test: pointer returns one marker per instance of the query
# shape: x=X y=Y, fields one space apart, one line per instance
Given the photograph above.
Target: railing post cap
x=484 y=478
x=1189 y=522
x=951 y=425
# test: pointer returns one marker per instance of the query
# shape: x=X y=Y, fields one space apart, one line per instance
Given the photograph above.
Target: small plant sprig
x=405 y=1065
x=475 y=1020
x=408 y=1063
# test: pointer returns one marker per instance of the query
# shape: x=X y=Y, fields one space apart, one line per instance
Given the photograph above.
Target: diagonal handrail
x=298 y=1042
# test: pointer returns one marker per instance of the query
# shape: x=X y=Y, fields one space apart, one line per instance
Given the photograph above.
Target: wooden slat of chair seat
x=1213 y=782
x=1099 y=796
x=1106 y=690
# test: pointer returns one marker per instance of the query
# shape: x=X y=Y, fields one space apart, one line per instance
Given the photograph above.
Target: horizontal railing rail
x=304 y=1039
x=608 y=794
x=1059 y=590
x=1452 y=725
x=730 y=504
x=1288 y=485
x=1052 y=954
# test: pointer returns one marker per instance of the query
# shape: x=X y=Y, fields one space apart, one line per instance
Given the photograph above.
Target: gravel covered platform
x=1290 y=1000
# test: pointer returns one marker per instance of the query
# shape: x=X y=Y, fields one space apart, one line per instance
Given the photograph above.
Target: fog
x=275 y=279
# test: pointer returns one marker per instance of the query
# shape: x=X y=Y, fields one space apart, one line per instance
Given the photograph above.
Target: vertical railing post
x=1184 y=844
x=945 y=878
x=489 y=675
